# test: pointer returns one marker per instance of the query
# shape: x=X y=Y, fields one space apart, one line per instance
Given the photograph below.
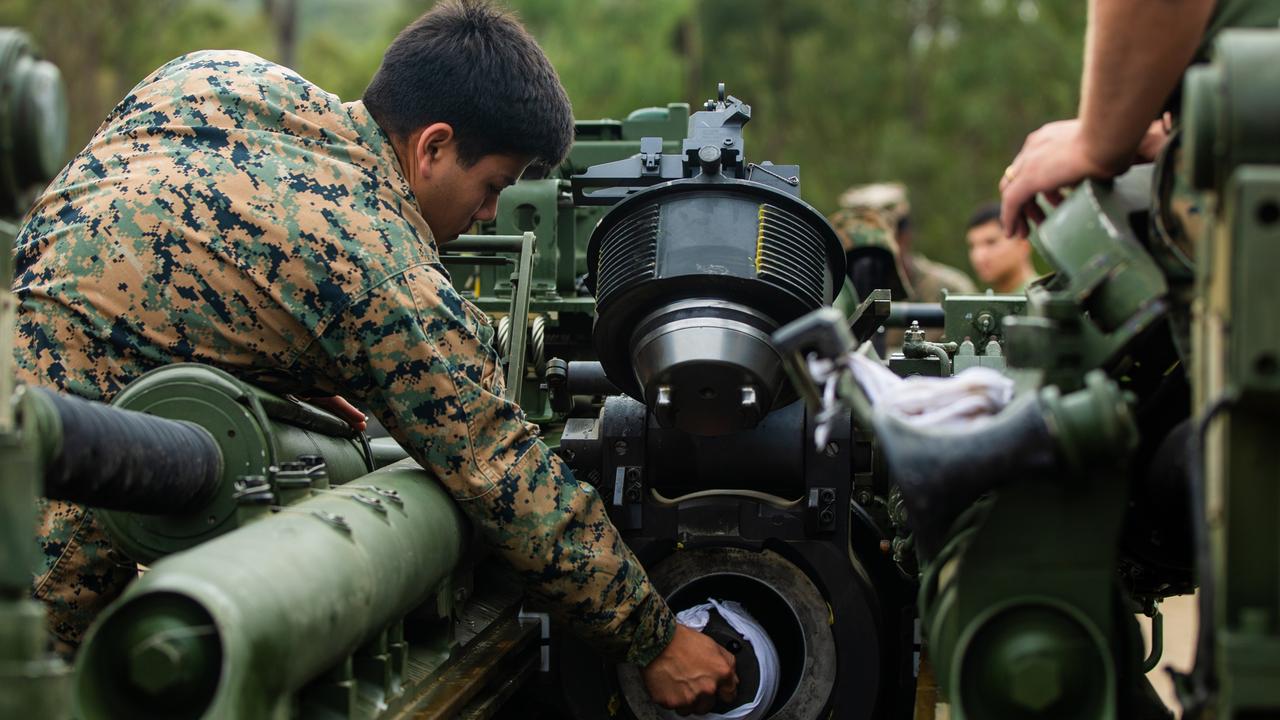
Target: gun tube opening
x=778 y=595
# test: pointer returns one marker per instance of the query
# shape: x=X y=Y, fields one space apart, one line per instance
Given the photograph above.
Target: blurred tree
x=284 y=20
x=936 y=93
x=612 y=55
x=104 y=47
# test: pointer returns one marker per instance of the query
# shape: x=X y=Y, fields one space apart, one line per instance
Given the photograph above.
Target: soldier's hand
x=1154 y=139
x=691 y=673
x=345 y=411
x=1052 y=158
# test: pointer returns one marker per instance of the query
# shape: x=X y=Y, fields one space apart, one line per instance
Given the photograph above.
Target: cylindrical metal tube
x=929 y=315
x=486 y=243
x=229 y=628
x=587 y=377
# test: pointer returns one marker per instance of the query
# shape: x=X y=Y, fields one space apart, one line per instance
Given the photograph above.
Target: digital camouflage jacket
x=229 y=212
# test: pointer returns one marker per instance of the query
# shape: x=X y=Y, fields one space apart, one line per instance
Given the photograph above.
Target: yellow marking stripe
x=759 y=239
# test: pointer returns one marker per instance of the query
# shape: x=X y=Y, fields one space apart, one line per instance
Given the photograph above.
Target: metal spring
x=538 y=344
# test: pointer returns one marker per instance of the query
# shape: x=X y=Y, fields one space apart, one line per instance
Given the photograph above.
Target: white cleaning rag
x=948 y=403
x=739 y=619
x=951 y=402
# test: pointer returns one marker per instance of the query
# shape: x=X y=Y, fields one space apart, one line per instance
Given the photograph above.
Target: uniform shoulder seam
x=323 y=326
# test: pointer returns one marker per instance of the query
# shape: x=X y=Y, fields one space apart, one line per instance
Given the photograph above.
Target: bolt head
x=156 y=667
x=1036 y=683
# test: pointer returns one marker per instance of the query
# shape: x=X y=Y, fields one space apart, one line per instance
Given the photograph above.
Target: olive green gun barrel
x=98 y=455
x=237 y=625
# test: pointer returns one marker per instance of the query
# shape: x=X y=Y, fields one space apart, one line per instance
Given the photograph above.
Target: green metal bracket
x=1101 y=265
x=979 y=318
x=465 y=250
x=1019 y=607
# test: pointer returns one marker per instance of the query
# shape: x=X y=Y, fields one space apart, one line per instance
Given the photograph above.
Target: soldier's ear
x=434 y=144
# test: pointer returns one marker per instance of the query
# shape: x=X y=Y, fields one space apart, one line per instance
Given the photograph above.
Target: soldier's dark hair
x=473 y=66
x=983 y=215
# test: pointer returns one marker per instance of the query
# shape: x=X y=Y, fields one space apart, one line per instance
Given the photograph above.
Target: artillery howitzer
x=1026 y=542
x=699 y=259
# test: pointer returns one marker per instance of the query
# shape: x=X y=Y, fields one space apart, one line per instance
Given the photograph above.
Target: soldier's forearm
x=1135 y=51
x=571 y=556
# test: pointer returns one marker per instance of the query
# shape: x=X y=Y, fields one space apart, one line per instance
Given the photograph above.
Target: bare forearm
x=1135 y=51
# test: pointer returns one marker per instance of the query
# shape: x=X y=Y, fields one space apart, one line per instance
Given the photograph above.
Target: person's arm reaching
x=1135 y=51
x=410 y=350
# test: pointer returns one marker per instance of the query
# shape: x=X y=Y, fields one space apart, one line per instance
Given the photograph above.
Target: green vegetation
x=936 y=93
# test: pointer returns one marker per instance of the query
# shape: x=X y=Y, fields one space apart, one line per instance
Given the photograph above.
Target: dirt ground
x=1181 y=621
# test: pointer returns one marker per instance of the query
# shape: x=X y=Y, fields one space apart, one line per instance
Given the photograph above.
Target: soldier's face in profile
x=452 y=195
x=465 y=196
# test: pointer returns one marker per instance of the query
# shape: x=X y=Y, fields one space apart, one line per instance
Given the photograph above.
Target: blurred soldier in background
x=871 y=254
x=924 y=279
x=1001 y=262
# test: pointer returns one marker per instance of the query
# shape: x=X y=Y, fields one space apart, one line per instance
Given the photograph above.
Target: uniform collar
x=376 y=139
x=379 y=144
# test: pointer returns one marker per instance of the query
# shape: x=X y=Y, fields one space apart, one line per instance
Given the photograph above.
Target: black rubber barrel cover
x=125 y=460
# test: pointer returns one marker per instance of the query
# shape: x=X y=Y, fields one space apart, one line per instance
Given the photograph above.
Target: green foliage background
x=936 y=93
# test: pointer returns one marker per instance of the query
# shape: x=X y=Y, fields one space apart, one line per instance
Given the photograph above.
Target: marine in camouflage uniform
x=923 y=279
x=871 y=253
x=229 y=212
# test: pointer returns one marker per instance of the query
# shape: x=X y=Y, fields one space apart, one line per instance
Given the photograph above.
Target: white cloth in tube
x=739 y=619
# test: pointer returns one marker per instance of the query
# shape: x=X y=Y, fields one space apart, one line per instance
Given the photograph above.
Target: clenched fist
x=691 y=673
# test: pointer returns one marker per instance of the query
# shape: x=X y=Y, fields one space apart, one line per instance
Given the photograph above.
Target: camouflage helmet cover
x=888 y=197
x=866 y=233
